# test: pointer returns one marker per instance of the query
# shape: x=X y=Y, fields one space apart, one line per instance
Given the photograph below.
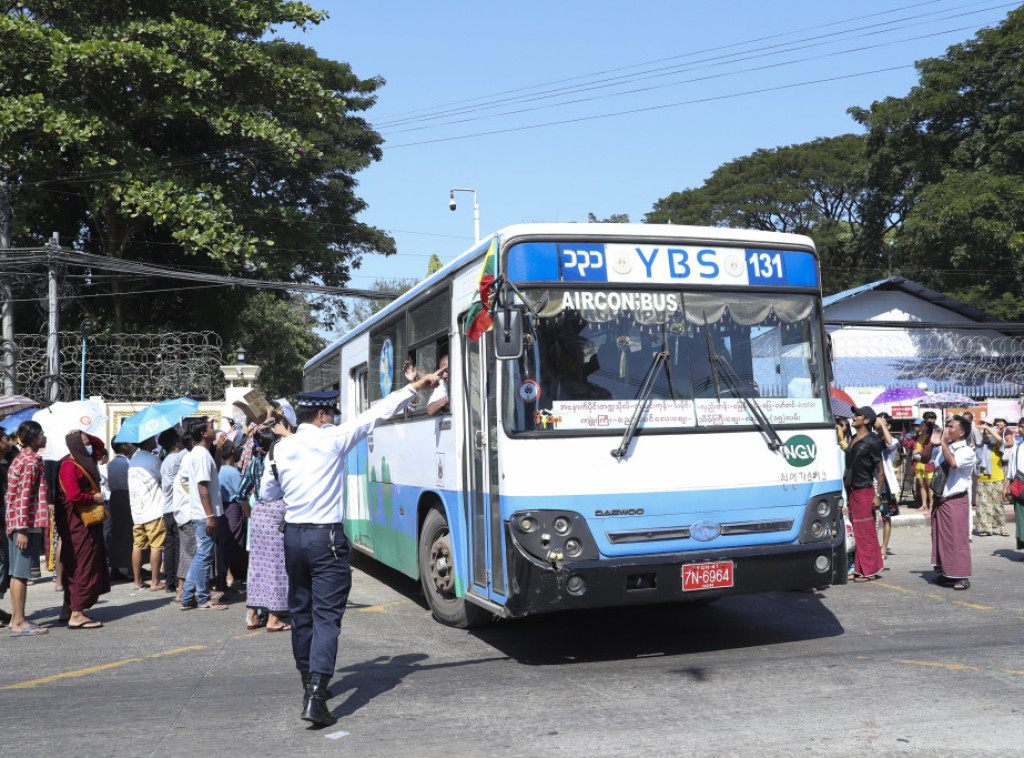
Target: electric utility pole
x=7 y=347
x=53 y=336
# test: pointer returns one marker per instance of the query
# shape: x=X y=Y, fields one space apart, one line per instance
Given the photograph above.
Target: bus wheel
x=437 y=575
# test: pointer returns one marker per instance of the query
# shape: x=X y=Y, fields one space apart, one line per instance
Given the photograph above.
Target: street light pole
x=476 y=208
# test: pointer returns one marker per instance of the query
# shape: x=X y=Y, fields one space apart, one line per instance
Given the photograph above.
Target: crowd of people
x=258 y=512
x=962 y=476
x=187 y=502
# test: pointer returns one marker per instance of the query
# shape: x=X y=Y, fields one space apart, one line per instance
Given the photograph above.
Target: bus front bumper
x=536 y=587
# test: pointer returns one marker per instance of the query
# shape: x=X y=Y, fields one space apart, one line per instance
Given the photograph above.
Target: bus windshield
x=588 y=351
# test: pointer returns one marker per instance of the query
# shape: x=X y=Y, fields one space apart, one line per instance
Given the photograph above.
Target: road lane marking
x=936 y=597
x=161 y=654
x=938 y=664
x=380 y=608
x=336 y=735
x=69 y=674
x=115 y=664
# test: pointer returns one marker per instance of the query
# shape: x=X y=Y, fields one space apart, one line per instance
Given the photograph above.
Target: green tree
x=434 y=264
x=812 y=188
x=947 y=162
x=278 y=334
x=615 y=218
x=179 y=132
x=361 y=309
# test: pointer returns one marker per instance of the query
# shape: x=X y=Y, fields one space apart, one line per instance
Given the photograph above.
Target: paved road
x=895 y=667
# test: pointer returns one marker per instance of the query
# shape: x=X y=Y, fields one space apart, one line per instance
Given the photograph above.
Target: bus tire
x=437 y=575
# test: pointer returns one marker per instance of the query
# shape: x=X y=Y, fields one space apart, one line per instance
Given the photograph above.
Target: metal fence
x=124 y=367
x=974 y=365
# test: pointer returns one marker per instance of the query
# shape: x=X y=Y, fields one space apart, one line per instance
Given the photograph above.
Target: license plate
x=706 y=576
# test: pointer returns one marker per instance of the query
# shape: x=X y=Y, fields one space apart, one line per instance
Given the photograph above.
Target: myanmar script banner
x=479 y=320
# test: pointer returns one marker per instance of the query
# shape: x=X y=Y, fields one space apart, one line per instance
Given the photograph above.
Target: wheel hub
x=440 y=565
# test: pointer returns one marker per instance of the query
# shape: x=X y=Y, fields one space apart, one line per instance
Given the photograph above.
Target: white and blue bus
x=648 y=421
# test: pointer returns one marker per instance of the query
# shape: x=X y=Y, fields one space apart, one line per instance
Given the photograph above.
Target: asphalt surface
x=893 y=667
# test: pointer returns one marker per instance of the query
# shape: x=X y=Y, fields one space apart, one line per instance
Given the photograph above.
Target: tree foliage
x=947 y=161
x=179 y=132
x=362 y=309
x=812 y=188
x=279 y=334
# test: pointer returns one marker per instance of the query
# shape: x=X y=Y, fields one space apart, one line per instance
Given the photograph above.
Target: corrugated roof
x=902 y=284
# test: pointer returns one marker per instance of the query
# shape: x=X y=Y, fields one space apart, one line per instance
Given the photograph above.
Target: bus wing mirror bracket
x=508 y=333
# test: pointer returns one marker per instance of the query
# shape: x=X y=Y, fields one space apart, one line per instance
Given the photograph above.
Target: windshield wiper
x=736 y=384
x=643 y=399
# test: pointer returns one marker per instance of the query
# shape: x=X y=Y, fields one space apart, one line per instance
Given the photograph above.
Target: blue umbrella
x=11 y=423
x=156 y=418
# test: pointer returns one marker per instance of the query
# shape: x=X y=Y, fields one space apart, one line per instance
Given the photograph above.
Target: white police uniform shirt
x=311 y=463
x=958 y=480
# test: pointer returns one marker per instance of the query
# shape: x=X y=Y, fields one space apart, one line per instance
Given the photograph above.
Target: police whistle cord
x=642 y=404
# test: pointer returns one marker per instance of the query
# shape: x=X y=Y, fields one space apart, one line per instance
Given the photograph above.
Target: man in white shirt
x=439 y=397
x=147 y=504
x=951 y=482
x=170 y=441
x=199 y=470
x=1014 y=470
x=308 y=473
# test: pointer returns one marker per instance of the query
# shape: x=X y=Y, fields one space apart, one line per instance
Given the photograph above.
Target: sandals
x=962 y=584
x=867 y=578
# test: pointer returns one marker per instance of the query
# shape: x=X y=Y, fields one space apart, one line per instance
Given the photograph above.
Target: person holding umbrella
x=83 y=549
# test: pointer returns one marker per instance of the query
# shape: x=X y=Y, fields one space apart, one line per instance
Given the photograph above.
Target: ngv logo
x=800 y=450
x=584 y=264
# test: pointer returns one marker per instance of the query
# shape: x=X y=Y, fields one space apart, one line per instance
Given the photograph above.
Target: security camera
x=451 y=203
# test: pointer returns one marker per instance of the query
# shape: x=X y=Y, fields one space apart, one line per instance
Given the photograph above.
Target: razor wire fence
x=124 y=367
x=946 y=361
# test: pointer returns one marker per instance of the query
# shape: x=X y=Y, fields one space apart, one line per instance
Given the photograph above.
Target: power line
x=670 y=58
x=710 y=61
x=104 y=263
x=653 y=107
x=708 y=77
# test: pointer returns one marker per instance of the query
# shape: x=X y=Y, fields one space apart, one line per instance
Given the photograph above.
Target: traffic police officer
x=308 y=472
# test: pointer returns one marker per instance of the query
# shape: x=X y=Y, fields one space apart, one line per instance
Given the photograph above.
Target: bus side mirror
x=508 y=334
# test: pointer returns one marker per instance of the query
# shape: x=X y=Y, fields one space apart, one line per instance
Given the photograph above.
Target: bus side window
x=424 y=358
x=360 y=388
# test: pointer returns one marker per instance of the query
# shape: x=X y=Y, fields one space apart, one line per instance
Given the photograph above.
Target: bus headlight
x=822 y=519
x=552 y=536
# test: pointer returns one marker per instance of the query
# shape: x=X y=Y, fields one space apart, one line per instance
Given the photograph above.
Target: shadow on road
x=384 y=673
x=662 y=630
x=639 y=631
x=1010 y=555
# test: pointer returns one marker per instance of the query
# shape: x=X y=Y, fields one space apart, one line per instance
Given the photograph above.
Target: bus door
x=486 y=559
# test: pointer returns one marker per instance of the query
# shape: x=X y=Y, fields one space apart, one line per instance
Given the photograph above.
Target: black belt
x=291 y=525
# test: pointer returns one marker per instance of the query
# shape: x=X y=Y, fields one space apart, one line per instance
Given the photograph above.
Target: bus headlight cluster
x=822 y=519
x=553 y=536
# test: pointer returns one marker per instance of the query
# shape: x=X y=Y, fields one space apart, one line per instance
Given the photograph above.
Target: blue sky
x=719 y=81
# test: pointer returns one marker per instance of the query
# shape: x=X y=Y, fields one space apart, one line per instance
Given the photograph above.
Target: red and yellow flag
x=478 y=320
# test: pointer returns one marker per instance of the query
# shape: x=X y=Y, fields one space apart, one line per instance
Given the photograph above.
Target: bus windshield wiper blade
x=753 y=407
x=712 y=355
x=643 y=399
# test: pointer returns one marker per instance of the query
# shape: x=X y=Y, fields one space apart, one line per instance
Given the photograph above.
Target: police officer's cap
x=324 y=399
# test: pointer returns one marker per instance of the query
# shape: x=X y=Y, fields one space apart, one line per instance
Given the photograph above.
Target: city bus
x=647 y=421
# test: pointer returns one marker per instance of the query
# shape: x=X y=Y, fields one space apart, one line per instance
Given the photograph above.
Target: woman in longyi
x=83 y=551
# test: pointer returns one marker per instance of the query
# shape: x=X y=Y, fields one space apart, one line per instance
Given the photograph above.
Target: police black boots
x=305 y=687
x=315 y=709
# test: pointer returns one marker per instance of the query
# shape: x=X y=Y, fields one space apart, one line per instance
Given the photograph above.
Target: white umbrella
x=60 y=418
